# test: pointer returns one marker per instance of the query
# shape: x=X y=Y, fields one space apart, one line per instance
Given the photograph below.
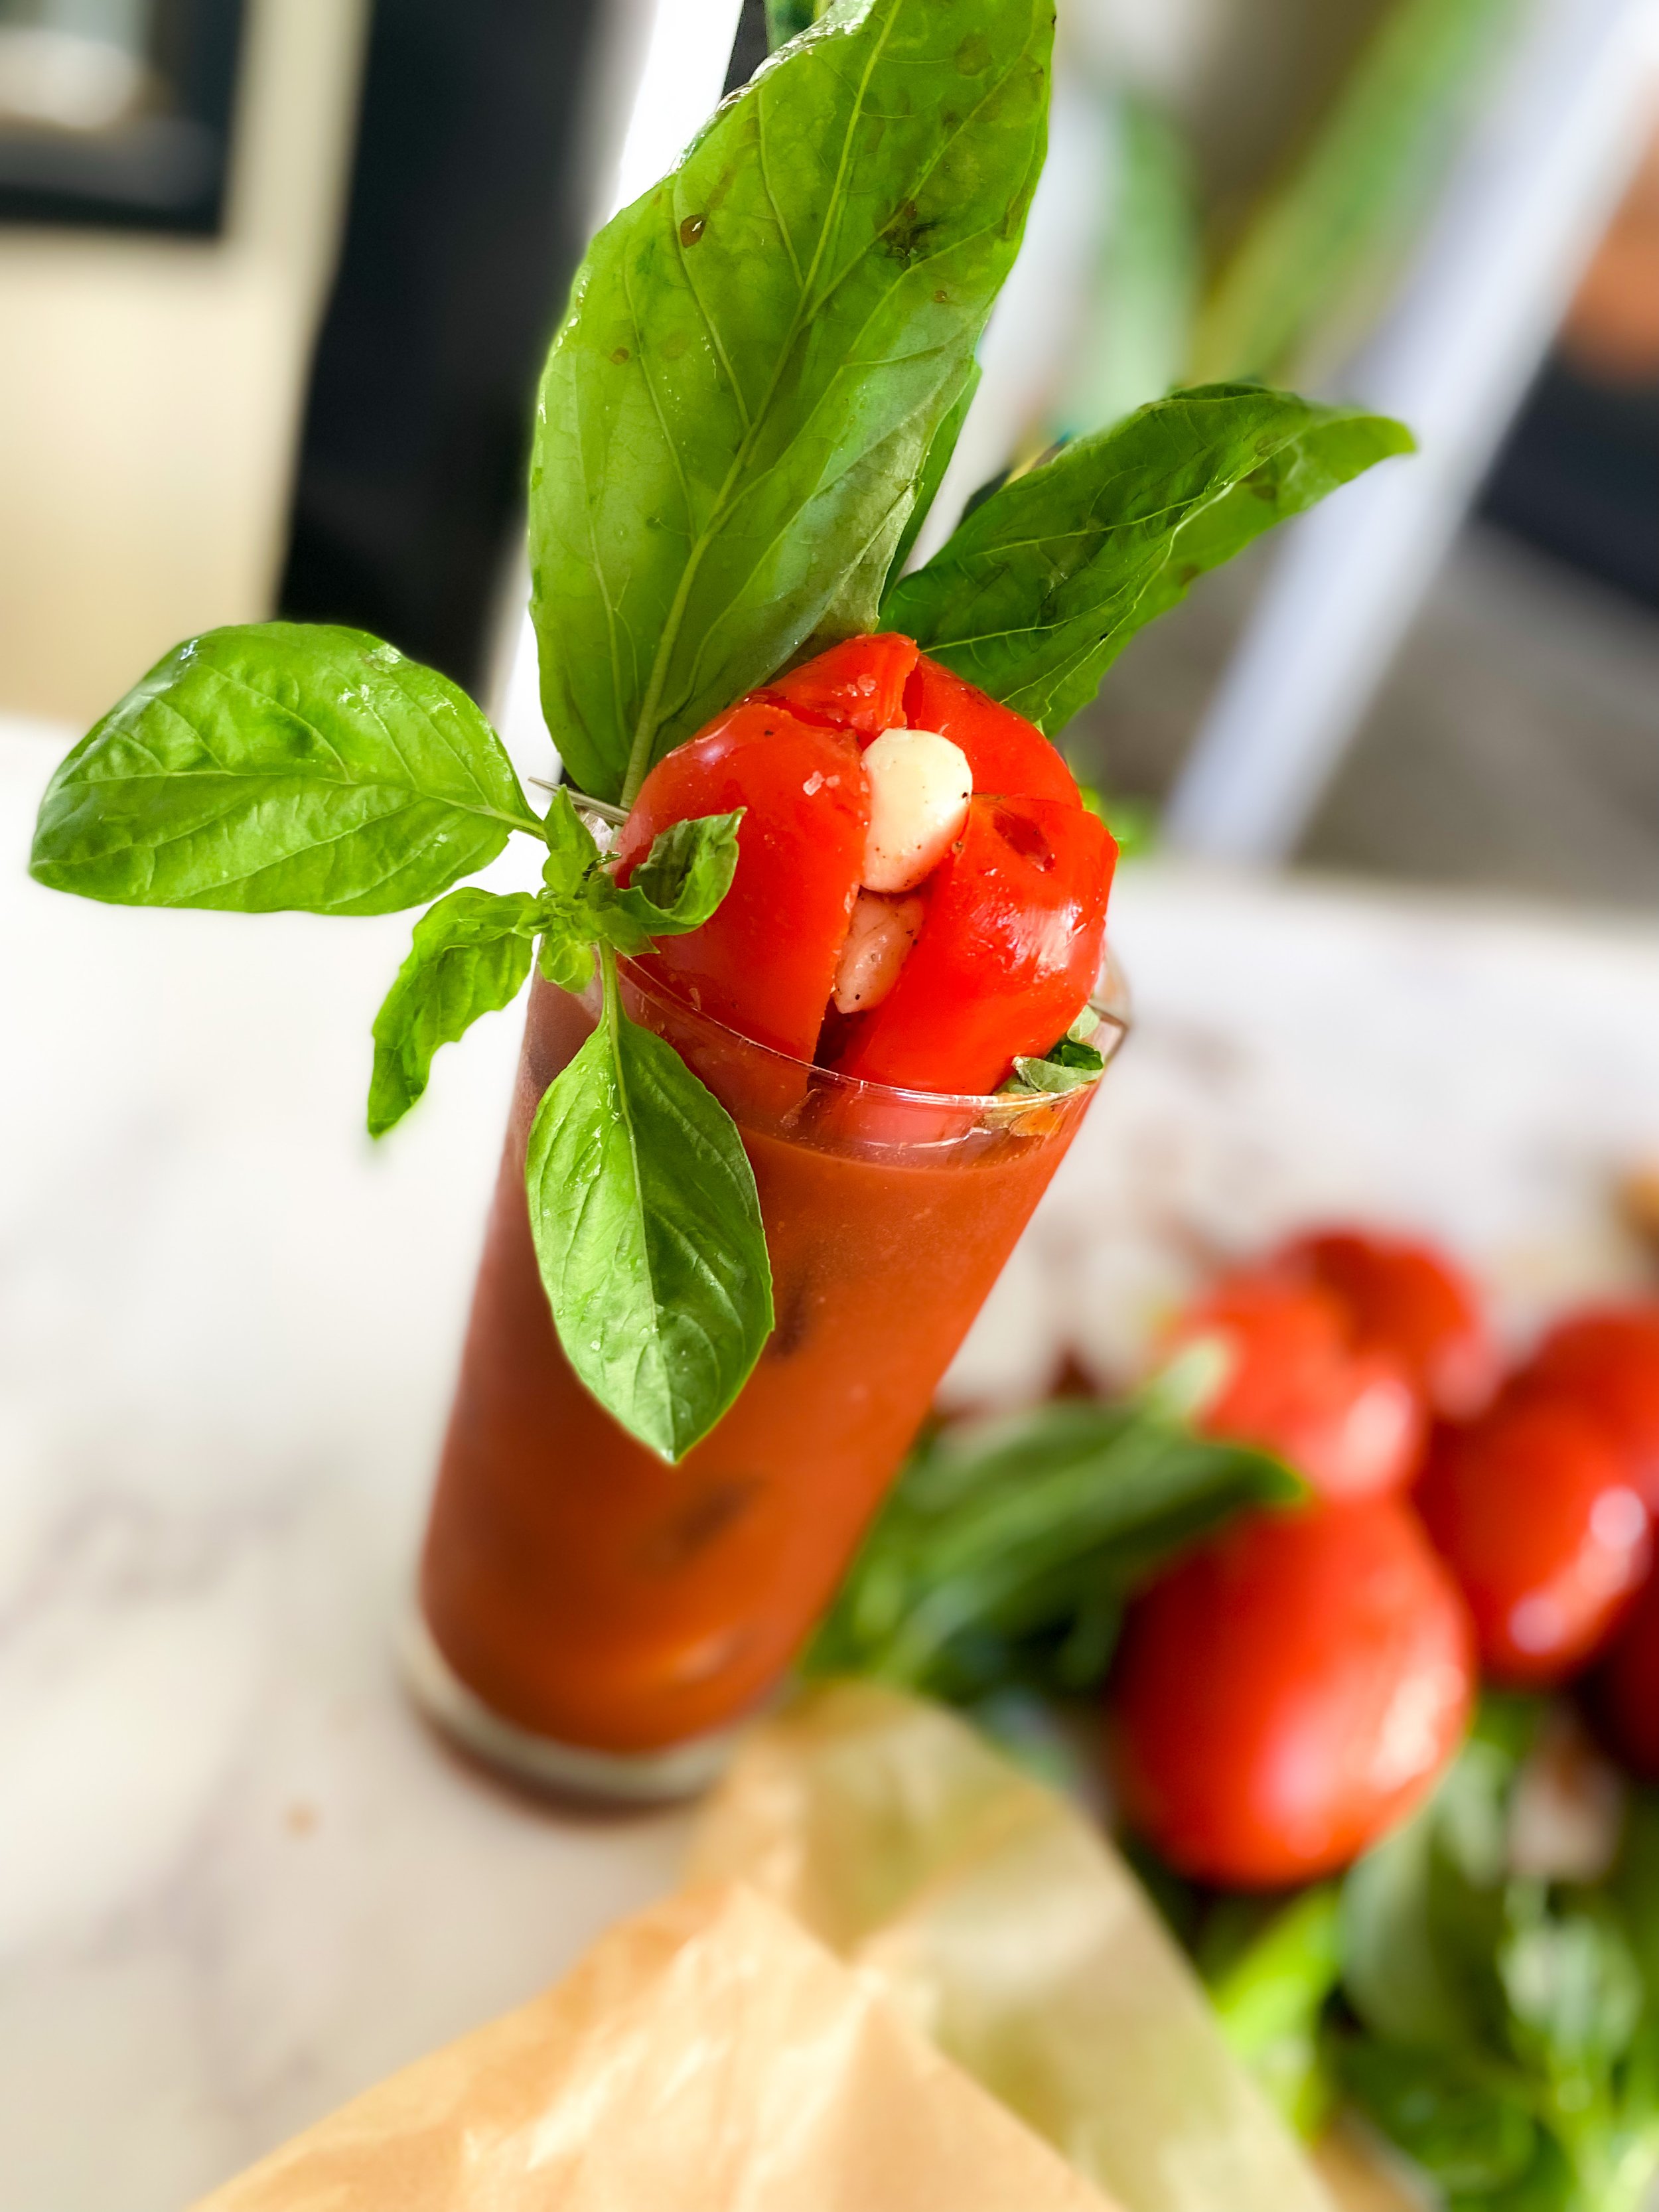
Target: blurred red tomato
x=1289 y=1691
x=1623 y=1693
x=1407 y=1299
x=1535 y=1512
x=1348 y=1420
x=1604 y=1362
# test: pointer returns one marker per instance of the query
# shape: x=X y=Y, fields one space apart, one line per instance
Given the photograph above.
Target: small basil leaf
x=647 y=1231
x=281 y=765
x=757 y=356
x=1068 y=1068
x=685 y=876
x=571 y=850
x=470 y=956
x=565 y=958
x=1039 y=589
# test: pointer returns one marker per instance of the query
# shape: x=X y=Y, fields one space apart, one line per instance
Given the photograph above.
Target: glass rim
x=1108 y=1001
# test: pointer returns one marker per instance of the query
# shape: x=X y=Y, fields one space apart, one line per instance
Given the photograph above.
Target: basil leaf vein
x=273 y=765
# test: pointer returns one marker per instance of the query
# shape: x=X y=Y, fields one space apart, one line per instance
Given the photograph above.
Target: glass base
x=561 y=1770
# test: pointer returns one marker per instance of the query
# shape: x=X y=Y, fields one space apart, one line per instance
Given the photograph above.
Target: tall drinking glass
x=595 y=1619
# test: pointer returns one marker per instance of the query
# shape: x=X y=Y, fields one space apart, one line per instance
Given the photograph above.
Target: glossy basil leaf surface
x=685 y=876
x=756 y=358
x=647 y=1232
x=281 y=765
x=1039 y=589
x=470 y=956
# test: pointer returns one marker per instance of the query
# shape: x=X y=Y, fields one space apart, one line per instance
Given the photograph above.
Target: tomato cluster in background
x=1289 y=1690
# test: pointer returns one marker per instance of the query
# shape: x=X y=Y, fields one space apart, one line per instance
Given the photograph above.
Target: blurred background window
x=117 y=112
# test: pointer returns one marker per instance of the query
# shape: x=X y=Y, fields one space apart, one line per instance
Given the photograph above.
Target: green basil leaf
x=1005 y=1553
x=470 y=956
x=647 y=1231
x=756 y=358
x=1473 y=2136
x=571 y=850
x=685 y=876
x=1039 y=589
x=281 y=765
x=1068 y=1068
x=566 y=958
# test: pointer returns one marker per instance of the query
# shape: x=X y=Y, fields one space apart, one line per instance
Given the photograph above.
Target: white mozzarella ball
x=879 y=941
x=919 y=786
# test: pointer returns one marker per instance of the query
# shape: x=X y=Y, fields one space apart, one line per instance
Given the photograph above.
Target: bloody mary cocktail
x=589 y=1593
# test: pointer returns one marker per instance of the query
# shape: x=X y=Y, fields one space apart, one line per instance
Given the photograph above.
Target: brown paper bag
x=706 y=2056
x=1011 y=1932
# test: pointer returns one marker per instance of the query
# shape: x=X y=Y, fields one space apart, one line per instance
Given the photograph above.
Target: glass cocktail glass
x=594 y=1619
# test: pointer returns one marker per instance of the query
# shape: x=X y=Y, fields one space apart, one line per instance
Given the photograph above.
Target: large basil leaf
x=756 y=358
x=1040 y=588
x=281 y=765
x=648 y=1231
x=470 y=955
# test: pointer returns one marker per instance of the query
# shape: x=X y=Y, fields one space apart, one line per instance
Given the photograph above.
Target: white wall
x=150 y=389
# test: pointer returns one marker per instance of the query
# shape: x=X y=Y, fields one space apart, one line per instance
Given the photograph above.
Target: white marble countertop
x=238 y=1880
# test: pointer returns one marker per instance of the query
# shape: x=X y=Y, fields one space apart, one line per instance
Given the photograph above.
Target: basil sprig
x=277 y=766
x=472 y=951
x=758 y=357
x=643 y=1209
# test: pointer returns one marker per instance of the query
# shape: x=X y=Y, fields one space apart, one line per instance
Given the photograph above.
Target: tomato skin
x=1534 y=1513
x=1288 y=1691
x=856 y=685
x=1605 y=1363
x=1007 y=754
x=1405 y=1298
x=1622 y=1695
x=1348 y=1420
x=765 y=962
x=1007 y=955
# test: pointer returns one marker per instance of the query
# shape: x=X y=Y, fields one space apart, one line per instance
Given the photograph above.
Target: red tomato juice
x=592 y=1594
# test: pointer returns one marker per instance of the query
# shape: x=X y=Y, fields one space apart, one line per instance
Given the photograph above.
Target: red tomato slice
x=1405 y=1298
x=857 y=685
x=1007 y=955
x=1346 y=1418
x=1605 y=1363
x=1006 y=753
x=1535 y=1512
x=1289 y=1691
x=764 y=963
